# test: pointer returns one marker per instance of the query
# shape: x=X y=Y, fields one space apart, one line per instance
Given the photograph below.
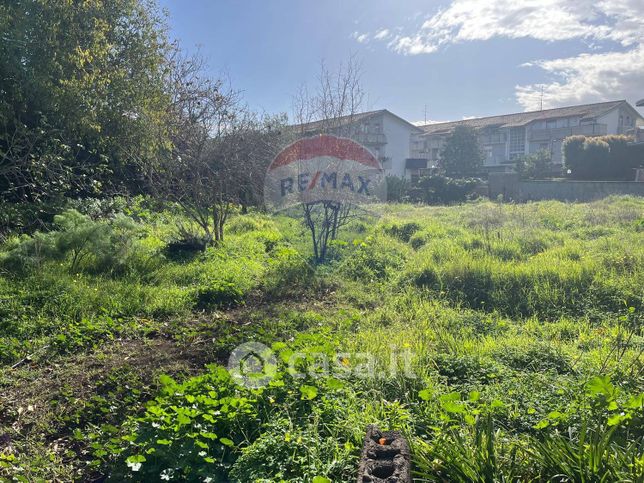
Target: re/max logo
x=304 y=181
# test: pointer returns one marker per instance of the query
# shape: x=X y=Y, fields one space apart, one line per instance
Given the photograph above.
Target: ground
x=515 y=333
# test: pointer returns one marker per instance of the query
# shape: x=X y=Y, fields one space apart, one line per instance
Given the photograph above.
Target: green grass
x=506 y=343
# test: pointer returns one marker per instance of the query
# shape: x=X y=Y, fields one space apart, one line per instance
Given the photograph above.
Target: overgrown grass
x=505 y=341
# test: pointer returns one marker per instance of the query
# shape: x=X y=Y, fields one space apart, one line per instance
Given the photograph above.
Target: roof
x=585 y=111
x=350 y=119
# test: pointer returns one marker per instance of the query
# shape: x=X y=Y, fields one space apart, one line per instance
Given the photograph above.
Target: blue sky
x=461 y=58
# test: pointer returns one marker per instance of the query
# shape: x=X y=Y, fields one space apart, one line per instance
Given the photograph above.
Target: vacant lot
x=504 y=340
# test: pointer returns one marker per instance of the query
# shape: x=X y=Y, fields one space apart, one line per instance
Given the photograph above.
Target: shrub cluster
x=441 y=190
x=602 y=158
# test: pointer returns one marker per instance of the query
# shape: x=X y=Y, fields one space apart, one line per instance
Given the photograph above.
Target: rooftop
x=584 y=111
x=347 y=120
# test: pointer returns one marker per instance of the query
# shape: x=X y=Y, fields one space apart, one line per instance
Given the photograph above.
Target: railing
x=370 y=138
x=563 y=132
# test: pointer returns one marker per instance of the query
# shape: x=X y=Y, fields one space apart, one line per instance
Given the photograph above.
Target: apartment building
x=409 y=151
x=387 y=136
x=504 y=138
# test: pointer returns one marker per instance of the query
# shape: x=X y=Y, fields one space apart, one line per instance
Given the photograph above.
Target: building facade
x=387 y=136
x=409 y=151
x=507 y=137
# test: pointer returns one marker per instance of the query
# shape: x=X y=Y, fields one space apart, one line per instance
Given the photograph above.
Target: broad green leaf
x=226 y=442
x=542 y=424
x=334 y=383
x=308 y=392
x=601 y=385
x=453 y=407
x=615 y=419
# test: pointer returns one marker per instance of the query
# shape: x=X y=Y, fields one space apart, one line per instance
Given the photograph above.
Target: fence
x=511 y=188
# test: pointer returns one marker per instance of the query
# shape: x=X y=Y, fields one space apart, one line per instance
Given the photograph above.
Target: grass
x=504 y=340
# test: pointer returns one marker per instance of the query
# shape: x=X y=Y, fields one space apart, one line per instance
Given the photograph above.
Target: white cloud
x=548 y=20
x=587 y=78
x=603 y=74
x=381 y=34
x=361 y=38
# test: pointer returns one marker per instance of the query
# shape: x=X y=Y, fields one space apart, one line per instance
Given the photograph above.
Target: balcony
x=563 y=132
x=370 y=138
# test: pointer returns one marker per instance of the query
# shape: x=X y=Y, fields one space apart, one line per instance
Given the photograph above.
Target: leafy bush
x=460 y=369
x=535 y=166
x=85 y=244
x=375 y=258
x=396 y=188
x=402 y=231
x=440 y=190
x=601 y=158
x=219 y=294
x=538 y=357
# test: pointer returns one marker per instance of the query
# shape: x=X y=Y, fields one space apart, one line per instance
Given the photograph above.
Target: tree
x=335 y=102
x=218 y=153
x=461 y=155
x=535 y=165
x=82 y=96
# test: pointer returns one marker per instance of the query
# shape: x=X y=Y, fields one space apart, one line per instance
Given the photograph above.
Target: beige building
x=409 y=151
x=506 y=137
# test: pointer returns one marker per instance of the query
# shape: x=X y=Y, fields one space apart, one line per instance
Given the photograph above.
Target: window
x=551 y=124
x=517 y=142
x=574 y=121
x=628 y=120
x=562 y=122
x=434 y=154
x=488 y=154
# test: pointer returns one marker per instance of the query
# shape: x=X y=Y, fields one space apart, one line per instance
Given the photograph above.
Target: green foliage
x=441 y=190
x=535 y=166
x=461 y=155
x=396 y=188
x=84 y=95
x=402 y=231
x=377 y=257
x=219 y=294
x=209 y=426
x=601 y=158
x=541 y=381
x=97 y=246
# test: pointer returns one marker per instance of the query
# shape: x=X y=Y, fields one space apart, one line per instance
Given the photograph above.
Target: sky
x=423 y=59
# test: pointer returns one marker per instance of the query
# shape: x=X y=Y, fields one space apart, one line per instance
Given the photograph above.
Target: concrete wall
x=509 y=185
